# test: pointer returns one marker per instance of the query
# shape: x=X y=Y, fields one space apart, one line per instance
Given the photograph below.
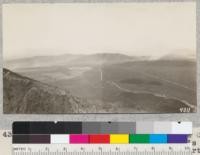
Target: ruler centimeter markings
x=112 y=149
x=104 y=153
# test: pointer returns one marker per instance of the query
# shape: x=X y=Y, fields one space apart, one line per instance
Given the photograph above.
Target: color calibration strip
x=100 y=132
x=100 y=139
x=102 y=127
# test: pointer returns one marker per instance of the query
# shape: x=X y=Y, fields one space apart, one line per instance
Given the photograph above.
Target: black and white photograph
x=71 y=58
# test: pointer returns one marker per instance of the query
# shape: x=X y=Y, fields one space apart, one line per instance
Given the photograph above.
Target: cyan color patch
x=158 y=138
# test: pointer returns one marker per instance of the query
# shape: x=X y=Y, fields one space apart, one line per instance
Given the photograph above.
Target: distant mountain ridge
x=90 y=59
x=25 y=95
x=68 y=59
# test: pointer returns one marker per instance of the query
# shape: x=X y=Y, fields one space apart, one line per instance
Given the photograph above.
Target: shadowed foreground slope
x=24 y=95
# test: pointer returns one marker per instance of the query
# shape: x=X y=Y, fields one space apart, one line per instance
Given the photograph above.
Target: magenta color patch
x=79 y=139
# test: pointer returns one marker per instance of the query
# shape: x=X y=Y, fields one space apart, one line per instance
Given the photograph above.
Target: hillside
x=67 y=60
x=24 y=95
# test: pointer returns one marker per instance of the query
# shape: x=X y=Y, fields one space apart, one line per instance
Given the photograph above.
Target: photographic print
x=99 y=58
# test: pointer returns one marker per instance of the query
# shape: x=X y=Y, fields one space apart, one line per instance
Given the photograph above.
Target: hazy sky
x=131 y=28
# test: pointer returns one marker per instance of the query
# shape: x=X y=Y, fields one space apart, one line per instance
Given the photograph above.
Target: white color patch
x=182 y=128
x=60 y=139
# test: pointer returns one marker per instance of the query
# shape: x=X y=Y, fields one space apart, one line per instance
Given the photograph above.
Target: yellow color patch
x=119 y=138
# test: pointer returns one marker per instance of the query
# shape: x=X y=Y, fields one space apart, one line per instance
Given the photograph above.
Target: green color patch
x=139 y=138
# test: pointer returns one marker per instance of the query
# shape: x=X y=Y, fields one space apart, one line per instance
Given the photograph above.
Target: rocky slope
x=25 y=95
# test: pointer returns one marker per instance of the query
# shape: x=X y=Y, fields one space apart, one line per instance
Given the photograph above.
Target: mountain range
x=67 y=60
x=87 y=60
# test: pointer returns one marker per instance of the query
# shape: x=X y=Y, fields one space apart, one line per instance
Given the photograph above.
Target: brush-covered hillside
x=25 y=95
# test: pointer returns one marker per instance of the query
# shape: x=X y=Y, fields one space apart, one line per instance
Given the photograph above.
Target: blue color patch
x=158 y=138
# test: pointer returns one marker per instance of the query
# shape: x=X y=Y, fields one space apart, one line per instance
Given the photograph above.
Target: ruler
x=103 y=149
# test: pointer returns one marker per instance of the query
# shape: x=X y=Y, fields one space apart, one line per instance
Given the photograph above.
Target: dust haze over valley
x=99 y=58
x=115 y=83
